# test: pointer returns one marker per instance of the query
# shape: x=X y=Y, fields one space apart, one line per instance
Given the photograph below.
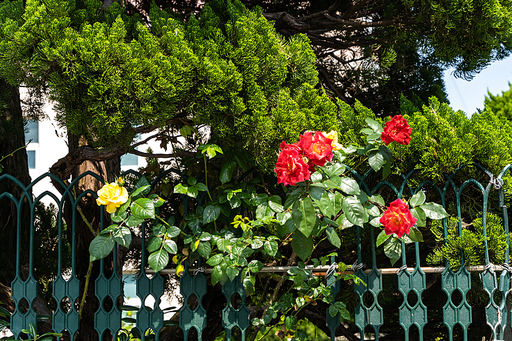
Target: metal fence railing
x=414 y=314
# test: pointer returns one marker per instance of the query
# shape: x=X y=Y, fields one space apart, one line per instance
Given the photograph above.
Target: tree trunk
x=107 y=170
x=12 y=140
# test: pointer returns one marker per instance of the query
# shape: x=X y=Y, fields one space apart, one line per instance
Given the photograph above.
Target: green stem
x=12 y=153
x=86 y=287
x=206 y=184
x=206 y=177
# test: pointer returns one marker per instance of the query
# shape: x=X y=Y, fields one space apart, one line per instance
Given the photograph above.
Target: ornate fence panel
x=409 y=279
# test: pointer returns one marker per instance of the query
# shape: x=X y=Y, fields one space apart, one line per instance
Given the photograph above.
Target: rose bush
x=238 y=226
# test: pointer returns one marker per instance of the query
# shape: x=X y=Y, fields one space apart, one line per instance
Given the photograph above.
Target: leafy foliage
x=470 y=242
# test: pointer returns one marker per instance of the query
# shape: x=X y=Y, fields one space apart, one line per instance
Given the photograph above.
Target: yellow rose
x=333 y=135
x=112 y=195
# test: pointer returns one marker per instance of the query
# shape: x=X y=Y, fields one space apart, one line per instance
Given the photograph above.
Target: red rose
x=317 y=148
x=290 y=167
x=397 y=218
x=397 y=130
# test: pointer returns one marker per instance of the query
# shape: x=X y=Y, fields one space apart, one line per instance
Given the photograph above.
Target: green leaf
x=215 y=259
x=335 y=169
x=434 y=211
x=235 y=202
x=333 y=237
x=302 y=245
x=290 y=322
x=263 y=210
x=143 y=208
x=132 y=221
x=259 y=199
x=143 y=182
x=326 y=204
x=316 y=177
x=349 y=186
x=418 y=199
x=386 y=171
x=201 y=187
x=154 y=244
x=158 y=260
x=316 y=192
x=180 y=189
x=210 y=149
x=101 y=246
x=274 y=202
x=375 y=222
x=191 y=180
x=173 y=231
x=305 y=219
x=376 y=160
x=122 y=236
x=381 y=238
x=378 y=199
x=211 y=213
x=354 y=211
x=287 y=228
x=256 y=244
x=415 y=234
x=393 y=249
x=120 y=214
x=255 y=266
x=293 y=197
x=204 y=249
x=192 y=191
x=421 y=217
x=143 y=189
x=343 y=222
x=333 y=311
x=226 y=172
x=271 y=247
x=282 y=217
x=157 y=201
x=217 y=275
x=170 y=246
x=376 y=126
x=232 y=272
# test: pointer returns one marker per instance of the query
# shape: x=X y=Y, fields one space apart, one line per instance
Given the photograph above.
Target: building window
x=32 y=131
x=31 y=158
x=129 y=160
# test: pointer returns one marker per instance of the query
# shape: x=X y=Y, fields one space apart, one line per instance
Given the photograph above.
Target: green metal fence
x=369 y=315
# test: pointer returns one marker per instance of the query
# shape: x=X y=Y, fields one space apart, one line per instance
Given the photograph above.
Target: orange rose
x=397 y=218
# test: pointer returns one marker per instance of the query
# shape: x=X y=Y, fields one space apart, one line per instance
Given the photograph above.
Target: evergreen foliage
x=444 y=139
x=470 y=242
x=111 y=74
x=500 y=104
